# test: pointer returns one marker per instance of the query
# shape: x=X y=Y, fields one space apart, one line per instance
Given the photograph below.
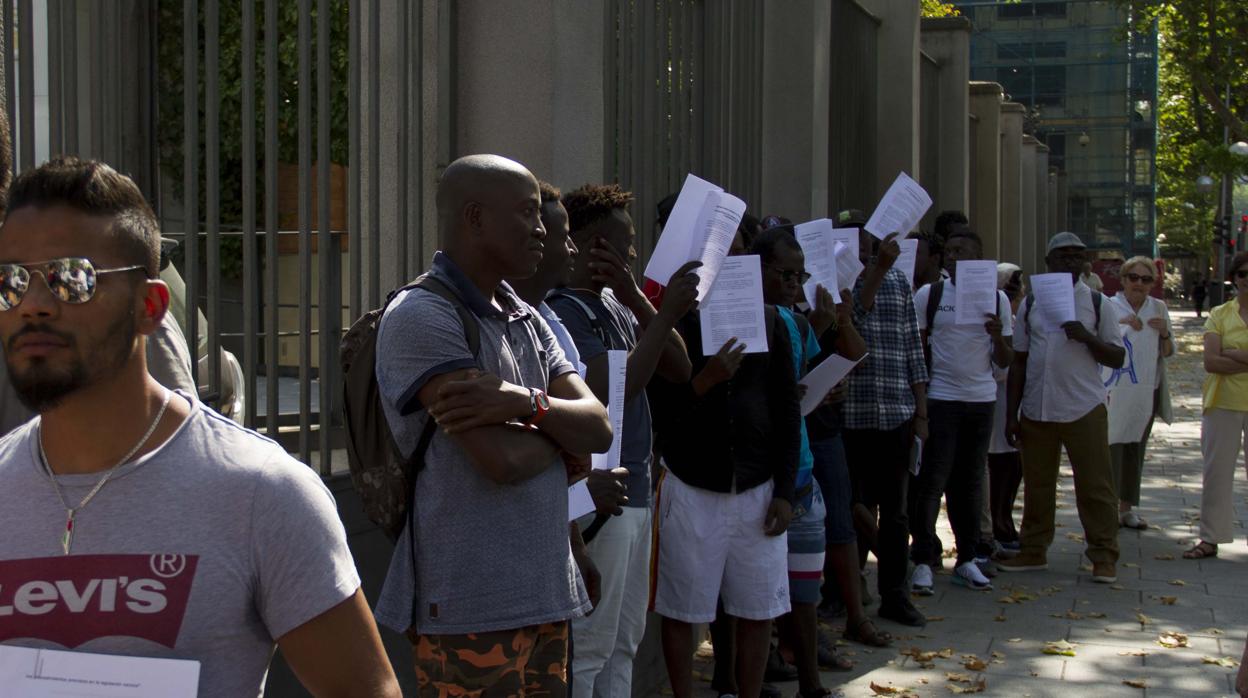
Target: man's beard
x=43 y=387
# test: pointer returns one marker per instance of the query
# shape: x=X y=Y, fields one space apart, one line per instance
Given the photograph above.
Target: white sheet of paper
x=847 y=237
x=672 y=249
x=916 y=456
x=900 y=210
x=1054 y=296
x=848 y=266
x=976 y=291
x=34 y=673
x=734 y=307
x=713 y=234
x=905 y=261
x=617 y=377
x=580 y=502
x=819 y=248
x=820 y=380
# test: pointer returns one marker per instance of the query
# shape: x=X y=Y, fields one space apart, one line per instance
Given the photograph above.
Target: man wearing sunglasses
x=139 y=522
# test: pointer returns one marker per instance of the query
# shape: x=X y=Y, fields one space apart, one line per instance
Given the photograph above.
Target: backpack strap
x=595 y=323
x=933 y=303
x=472 y=329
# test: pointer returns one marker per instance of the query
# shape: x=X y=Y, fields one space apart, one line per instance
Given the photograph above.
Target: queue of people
x=493 y=376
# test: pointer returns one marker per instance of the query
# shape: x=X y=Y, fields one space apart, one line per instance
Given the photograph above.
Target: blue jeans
x=954 y=458
x=832 y=474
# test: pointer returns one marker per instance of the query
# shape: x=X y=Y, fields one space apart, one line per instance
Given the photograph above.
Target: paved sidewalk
x=1114 y=629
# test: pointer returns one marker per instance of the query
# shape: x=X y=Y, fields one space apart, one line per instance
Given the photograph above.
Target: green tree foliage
x=230 y=81
x=937 y=8
x=1203 y=49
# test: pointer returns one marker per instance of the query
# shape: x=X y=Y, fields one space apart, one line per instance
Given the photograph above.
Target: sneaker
x=921 y=581
x=1104 y=572
x=1024 y=562
x=1011 y=547
x=900 y=610
x=986 y=566
x=770 y=691
x=968 y=575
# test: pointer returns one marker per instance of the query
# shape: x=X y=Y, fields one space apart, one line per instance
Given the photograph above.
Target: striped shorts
x=807 y=543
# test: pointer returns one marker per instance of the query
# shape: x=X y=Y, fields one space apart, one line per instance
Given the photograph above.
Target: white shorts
x=711 y=545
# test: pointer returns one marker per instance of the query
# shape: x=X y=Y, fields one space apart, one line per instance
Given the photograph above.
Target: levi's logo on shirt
x=70 y=600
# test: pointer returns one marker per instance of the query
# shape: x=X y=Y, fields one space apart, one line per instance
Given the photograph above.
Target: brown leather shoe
x=1025 y=561
x=1104 y=572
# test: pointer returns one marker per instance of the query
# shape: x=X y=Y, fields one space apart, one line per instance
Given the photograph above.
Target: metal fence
x=275 y=282
x=852 y=137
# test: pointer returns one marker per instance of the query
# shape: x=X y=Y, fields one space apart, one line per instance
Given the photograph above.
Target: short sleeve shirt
x=209 y=548
x=487 y=556
x=1227 y=392
x=962 y=368
x=1063 y=379
x=620 y=329
x=804 y=349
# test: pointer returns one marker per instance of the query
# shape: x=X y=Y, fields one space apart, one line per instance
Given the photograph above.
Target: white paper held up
x=701 y=227
x=900 y=210
x=820 y=380
x=819 y=249
x=1054 y=298
x=905 y=261
x=848 y=267
x=39 y=673
x=976 y=291
x=734 y=307
x=847 y=237
x=713 y=234
x=617 y=379
x=580 y=502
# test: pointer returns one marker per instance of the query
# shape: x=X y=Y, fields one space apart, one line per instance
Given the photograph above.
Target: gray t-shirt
x=620 y=328
x=209 y=548
x=488 y=557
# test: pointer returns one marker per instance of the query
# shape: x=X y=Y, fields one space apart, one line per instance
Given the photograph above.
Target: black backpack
x=384 y=479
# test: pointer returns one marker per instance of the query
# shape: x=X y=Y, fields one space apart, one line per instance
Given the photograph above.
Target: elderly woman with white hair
x=1137 y=391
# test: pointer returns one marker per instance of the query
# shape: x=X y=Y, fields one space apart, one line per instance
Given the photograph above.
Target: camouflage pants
x=531 y=661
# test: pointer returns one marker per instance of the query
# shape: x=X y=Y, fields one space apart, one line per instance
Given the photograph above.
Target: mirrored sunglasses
x=1139 y=278
x=70 y=279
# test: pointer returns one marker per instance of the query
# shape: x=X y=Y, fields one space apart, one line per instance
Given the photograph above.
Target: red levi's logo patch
x=71 y=600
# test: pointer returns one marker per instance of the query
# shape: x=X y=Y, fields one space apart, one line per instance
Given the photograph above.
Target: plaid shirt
x=880 y=396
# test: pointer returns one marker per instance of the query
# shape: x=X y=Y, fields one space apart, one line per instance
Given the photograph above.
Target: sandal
x=1201 y=551
x=864 y=632
x=831 y=660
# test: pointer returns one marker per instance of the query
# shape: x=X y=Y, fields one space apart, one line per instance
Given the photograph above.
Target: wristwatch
x=539 y=405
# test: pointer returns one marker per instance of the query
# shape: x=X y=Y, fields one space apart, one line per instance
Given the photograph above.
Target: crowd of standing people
x=493 y=376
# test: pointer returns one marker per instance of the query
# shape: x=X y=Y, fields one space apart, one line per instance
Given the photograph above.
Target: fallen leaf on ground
x=1168 y=600
x=1061 y=647
x=1000 y=618
x=1144 y=620
x=1178 y=582
x=1117 y=587
x=1228 y=662
x=977 y=687
x=1163 y=556
x=933 y=619
x=1097 y=614
x=998 y=655
x=974 y=663
x=1171 y=640
x=1211 y=631
x=1130 y=564
x=1135 y=683
x=1015 y=639
x=1051 y=590
x=1076 y=537
x=958 y=676
x=1133 y=653
x=891 y=691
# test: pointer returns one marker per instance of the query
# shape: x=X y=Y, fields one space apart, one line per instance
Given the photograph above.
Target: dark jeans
x=879 y=467
x=1005 y=474
x=953 y=465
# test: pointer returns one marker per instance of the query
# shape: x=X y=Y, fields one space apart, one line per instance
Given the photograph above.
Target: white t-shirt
x=1063 y=379
x=209 y=548
x=961 y=354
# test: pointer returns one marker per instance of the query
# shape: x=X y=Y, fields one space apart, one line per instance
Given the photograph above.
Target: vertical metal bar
x=212 y=189
x=329 y=303
x=99 y=74
x=56 y=68
x=697 y=54
x=26 y=74
x=10 y=65
x=354 y=244
x=251 y=265
x=305 y=230
x=652 y=78
x=400 y=177
x=272 y=338
x=190 y=174
x=417 y=141
x=69 y=85
x=610 y=73
x=374 y=153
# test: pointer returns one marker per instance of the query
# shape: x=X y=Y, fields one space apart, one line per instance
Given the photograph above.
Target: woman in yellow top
x=1224 y=426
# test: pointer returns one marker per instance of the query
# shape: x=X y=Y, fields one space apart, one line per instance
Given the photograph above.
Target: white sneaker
x=921 y=580
x=968 y=575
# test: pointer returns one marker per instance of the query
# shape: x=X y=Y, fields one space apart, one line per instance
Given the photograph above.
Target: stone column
x=985 y=211
x=1027 y=205
x=529 y=85
x=1011 y=182
x=897 y=90
x=796 y=74
x=1043 y=226
x=1061 y=207
x=947 y=40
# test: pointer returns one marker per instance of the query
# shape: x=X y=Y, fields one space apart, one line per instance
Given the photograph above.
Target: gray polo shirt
x=488 y=557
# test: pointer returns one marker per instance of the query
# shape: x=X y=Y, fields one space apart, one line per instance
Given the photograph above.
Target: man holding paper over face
x=1056 y=379
x=966 y=338
x=730 y=441
x=607 y=315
